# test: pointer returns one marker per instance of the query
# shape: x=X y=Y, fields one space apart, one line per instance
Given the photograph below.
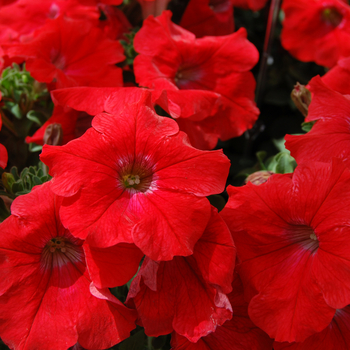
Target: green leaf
x=14 y=172
x=45 y=178
x=24 y=173
x=16 y=111
x=32 y=170
x=20 y=193
x=279 y=144
x=33 y=147
x=8 y=181
x=307 y=126
x=17 y=187
x=36 y=117
x=40 y=173
x=261 y=156
x=282 y=163
x=135 y=342
x=36 y=181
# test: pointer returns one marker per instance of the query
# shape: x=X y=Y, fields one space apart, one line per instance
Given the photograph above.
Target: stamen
x=313 y=236
x=305 y=236
x=60 y=251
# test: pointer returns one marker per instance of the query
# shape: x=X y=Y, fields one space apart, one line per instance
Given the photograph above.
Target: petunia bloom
x=75 y=108
x=187 y=294
x=330 y=136
x=208 y=83
x=66 y=53
x=45 y=289
x=292 y=244
x=336 y=336
x=324 y=27
x=238 y=333
x=147 y=184
x=33 y=14
x=208 y=18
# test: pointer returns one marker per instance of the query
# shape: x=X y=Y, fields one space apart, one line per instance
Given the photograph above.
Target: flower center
x=60 y=251
x=131 y=181
x=332 y=16
x=305 y=236
x=139 y=182
x=57 y=59
x=187 y=78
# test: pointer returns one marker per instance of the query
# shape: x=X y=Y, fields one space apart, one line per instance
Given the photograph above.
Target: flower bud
x=53 y=135
x=259 y=177
x=301 y=97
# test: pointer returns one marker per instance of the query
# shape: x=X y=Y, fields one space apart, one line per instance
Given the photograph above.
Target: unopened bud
x=301 y=97
x=53 y=135
x=259 y=177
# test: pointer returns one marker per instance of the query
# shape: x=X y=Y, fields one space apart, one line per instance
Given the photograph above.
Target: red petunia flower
x=148 y=185
x=75 y=108
x=292 y=244
x=334 y=337
x=330 y=136
x=207 y=80
x=238 y=333
x=324 y=27
x=33 y=14
x=115 y=24
x=187 y=294
x=208 y=18
x=338 y=77
x=71 y=53
x=45 y=287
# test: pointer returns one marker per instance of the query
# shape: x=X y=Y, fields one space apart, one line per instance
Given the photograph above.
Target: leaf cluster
x=24 y=101
x=15 y=184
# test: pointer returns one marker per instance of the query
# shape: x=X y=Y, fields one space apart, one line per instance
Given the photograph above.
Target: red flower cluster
x=51 y=55
x=127 y=203
x=207 y=81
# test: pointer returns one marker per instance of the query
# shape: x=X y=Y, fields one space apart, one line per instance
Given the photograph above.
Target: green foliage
x=128 y=45
x=24 y=101
x=281 y=163
x=15 y=185
x=19 y=89
x=307 y=126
